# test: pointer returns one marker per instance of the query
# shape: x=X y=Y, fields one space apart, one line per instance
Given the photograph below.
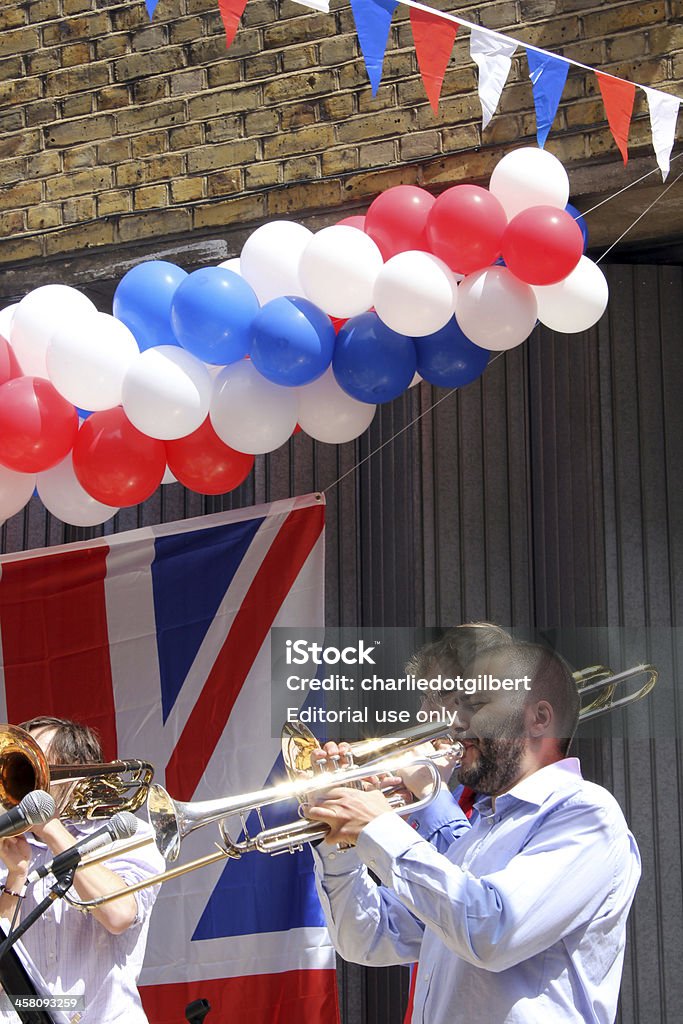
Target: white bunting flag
x=663 y=116
x=493 y=55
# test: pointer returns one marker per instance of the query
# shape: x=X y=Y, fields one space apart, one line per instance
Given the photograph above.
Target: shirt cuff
x=383 y=841
x=442 y=812
x=329 y=860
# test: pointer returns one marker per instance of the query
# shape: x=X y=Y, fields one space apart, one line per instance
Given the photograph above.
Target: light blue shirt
x=441 y=822
x=522 y=922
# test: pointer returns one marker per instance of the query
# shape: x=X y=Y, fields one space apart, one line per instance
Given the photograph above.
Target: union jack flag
x=159 y=638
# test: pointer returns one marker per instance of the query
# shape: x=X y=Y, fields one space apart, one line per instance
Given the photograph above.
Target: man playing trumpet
x=524 y=919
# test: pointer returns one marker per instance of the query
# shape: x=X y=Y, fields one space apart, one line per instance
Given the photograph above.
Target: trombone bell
x=85 y=791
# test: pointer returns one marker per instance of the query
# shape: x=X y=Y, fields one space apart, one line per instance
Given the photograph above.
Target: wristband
x=11 y=892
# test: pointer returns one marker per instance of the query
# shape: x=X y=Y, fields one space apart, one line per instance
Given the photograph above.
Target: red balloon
x=115 y=462
x=9 y=364
x=338 y=323
x=396 y=220
x=542 y=245
x=465 y=228
x=202 y=462
x=356 y=221
x=37 y=426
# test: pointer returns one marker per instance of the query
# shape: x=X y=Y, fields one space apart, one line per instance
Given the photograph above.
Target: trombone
x=83 y=791
x=173 y=820
x=600 y=681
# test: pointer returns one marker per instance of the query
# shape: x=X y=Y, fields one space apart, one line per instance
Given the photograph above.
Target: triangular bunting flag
x=151 y=6
x=493 y=55
x=373 y=21
x=434 y=38
x=548 y=75
x=663 y=117
x=618 y=97
x=231 y=12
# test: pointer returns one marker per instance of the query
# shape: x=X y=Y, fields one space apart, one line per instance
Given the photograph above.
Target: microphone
x=35 y=809
x=122 y=826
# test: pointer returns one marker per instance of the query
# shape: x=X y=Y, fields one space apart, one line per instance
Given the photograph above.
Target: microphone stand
x=13 y=975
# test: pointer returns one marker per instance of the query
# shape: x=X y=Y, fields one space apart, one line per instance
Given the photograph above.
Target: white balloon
x=577 y=303
x=338 y=270
x=63 y=496
x=417 y=379
x=270 y=257
x=168 y=477
x=15 y=491
x=529 y=177
x=37 y=317
x=167 y=392
x=232 y=264
x=415 y=294
x=6 y=315
x=495 y=309
x=88 y=358
x=327 y=413
x=249 y=413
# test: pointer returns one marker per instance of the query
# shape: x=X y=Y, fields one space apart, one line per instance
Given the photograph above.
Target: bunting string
x=492 y=52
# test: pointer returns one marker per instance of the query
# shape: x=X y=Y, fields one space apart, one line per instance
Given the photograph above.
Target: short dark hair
x=72 y=743
x=551 y=679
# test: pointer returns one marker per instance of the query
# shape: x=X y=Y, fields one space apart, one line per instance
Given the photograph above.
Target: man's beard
x=499 y=759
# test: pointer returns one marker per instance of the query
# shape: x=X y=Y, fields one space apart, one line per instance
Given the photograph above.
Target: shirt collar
x=536 y=788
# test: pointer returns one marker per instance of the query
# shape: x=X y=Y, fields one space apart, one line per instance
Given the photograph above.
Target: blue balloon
x=142 y=301
x=371 y=362
x=83 y=413
x=292 y=341
x=581 y=221
x=212 y=313
x=448 y=358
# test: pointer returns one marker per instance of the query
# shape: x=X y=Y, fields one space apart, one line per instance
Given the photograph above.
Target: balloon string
x=398 y=433
x=626 y=188
x=640 y=217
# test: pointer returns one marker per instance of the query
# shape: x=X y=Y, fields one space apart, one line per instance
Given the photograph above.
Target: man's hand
x=417 y=778
x=16 y=854
x=347 y=812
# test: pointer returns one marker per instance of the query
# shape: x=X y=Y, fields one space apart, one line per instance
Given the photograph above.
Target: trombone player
x=97 y=956
x=523 y=921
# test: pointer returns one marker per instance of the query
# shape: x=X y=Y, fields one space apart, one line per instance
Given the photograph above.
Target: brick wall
x=115 y=131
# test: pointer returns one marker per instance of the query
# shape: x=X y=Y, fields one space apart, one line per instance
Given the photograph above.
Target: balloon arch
x=195 y=374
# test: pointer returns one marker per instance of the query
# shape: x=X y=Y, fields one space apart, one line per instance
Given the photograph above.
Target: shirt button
x=373 y=863
x=331 y=856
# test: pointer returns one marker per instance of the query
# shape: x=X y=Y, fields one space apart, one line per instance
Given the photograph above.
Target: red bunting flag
x=231 y=12
x=618 y=97
x=434 y=38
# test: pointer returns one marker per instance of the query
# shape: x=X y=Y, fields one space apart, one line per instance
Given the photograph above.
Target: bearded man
x=523 y=920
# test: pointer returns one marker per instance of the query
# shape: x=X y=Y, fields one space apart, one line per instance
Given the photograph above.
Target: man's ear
x=540 y=718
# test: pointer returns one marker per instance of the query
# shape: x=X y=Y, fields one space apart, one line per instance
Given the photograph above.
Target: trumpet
x=172 y=820
x=82 y=791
